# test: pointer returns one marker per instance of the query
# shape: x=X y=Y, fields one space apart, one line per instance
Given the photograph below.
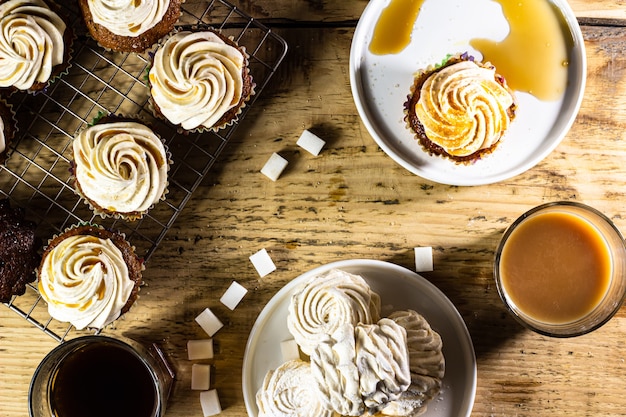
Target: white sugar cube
x=262 y=262
x=200 y=349
x=200 y=377
x=274 y=166
x=423 y=259
x=289 y=350
x=209 y=322
x=210 y=403
x=310 y=142
x=233 y=295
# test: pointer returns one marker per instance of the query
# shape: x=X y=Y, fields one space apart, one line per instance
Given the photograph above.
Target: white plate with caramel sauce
x=399 y=289
x=546 y=71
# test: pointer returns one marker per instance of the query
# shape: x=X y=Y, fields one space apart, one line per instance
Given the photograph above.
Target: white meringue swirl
x=31 y=43
x=427 y=365
x=325 y=303
x=463 y=108
x=289 y=391
x=196 y=77
x=85 y=282
x=382 y=358
x=336 y=374
x=128 y=17
x=121 y=166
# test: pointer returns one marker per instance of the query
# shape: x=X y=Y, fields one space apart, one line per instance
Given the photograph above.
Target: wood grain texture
x=353 y=201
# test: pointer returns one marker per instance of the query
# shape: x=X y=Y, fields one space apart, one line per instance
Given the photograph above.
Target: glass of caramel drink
x=101 y=376
x=560 y=269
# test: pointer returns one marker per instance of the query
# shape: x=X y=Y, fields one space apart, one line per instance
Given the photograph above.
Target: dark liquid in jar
x=101 y=380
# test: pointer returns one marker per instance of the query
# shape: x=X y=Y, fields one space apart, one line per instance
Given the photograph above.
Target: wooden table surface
x=353 y=201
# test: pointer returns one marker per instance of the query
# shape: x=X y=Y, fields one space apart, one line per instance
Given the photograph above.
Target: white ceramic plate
x=399 y=289
x=380 y=85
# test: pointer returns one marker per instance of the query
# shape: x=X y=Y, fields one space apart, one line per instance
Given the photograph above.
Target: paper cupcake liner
x=135 y=264
x=127 y=44
x=231 y=116
x=430 y=147
x=92 y=203
x=10 y=130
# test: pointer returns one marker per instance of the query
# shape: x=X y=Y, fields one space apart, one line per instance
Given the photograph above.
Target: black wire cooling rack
x=36 y=176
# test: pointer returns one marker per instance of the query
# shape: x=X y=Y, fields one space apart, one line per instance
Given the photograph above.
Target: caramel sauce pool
x=533 y=58
x=394 y=27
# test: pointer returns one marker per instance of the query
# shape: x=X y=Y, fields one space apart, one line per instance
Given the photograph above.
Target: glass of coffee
x=560 y=269
x=101 y=376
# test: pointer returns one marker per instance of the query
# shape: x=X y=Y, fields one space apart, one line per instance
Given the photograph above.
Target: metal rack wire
x=36 y=176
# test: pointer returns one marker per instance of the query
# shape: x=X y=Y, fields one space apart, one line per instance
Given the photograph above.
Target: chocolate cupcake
x=8 y=129
x=460 y=109
x=120 y=167
x=36 y=43
x=129 y=26
x=200 y=80
x=89 y=276
x=19 y=251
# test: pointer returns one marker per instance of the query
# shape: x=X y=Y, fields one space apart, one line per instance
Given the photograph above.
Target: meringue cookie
x=327 y=302
x=288 y=391
x=382 y=358
x=336 y=374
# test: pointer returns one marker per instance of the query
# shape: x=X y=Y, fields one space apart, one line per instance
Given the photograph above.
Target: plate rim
x=356 y=86
x=360 y=263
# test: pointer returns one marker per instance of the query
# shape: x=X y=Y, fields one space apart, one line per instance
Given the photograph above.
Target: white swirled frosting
x=463 y=108
x=196 y=78
x=325 y=303
x=85 y=282
x=121 y=166
x=128 y=17
x=287 y=392
x=31 y=43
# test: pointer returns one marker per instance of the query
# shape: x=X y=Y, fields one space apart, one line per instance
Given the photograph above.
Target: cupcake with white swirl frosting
x=35 y=44
x=199 y=80
x=460 y=109
x=129 y=25
x=89 y=276
x=120 y=167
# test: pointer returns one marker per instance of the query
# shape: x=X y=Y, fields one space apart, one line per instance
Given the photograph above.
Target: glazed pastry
x=34 y=44
x=327 y=302
x=427 y=365
x=129 y=25
x=288 y=391
x=19 y=251
x=460 y=109
x=89 y=276
x=336 y=374
x=120 y=167
x=200 y=80
x=382 y=358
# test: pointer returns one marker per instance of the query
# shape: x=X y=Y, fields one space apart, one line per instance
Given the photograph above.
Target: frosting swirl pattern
x=85 y=281
x=427 y=364
x=196 y=77
x=286 y=392
x=31 y=43
x=382 y=358
x=128 y=17
x=120 y=166
x=325 y=303
x=463 y=108
x=336 y=374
